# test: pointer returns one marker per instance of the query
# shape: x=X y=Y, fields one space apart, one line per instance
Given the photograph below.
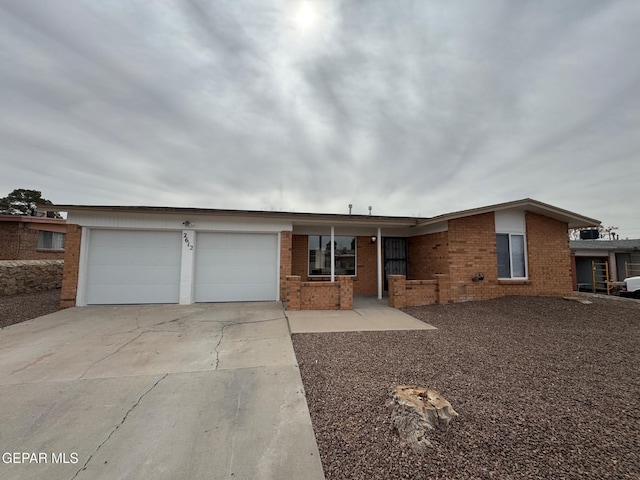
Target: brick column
x=292 y=292
x=346 y=293
x=444 y=288
x=397 y=290
x=285 y=262
x=71 y=266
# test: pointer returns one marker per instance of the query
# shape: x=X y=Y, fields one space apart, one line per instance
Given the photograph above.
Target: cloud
x=413 y=108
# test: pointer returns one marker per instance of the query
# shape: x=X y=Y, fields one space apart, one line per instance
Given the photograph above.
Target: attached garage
x=129 y=267
x=235 y=267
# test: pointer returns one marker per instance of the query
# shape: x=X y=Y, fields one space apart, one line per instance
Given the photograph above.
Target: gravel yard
x=545 y=388
x=18 y=308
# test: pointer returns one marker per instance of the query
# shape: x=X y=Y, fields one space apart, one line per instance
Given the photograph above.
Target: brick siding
x=472 y=249
x=285 y=262
x=366 y=280
x=71 y=266
x=428 y=255
x=20 y=242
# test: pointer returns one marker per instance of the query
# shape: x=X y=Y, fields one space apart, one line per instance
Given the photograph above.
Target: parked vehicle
x=631 y=288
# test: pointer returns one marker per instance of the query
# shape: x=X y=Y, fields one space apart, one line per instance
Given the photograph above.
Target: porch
x=368 y=314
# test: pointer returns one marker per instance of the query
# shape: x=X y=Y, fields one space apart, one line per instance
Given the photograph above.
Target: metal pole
x=333 y=255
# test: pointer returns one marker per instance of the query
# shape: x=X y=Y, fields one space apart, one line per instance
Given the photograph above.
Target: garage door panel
x=236 y=267
x=141 y=294
x=126 y=267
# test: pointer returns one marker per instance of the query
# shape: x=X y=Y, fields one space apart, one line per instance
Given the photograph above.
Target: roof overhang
x=30 y=219
x=297 y=219
x=574 y=220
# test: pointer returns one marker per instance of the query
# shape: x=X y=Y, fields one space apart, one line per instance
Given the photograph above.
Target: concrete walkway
x=206 y=391
x=369 y=314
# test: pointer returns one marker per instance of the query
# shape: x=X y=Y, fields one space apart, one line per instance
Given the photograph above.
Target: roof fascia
x=295 y=218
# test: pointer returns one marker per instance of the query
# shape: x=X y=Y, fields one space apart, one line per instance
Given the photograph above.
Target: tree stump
x=415 y=411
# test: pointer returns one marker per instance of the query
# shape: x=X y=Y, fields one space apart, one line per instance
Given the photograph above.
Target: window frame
x=511 y=256
x=41 y=243
x=319 y=275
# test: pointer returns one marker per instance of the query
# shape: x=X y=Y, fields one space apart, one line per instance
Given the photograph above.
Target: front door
x=395 y=258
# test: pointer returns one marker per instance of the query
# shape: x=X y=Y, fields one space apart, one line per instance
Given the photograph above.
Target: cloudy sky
x=414 y=107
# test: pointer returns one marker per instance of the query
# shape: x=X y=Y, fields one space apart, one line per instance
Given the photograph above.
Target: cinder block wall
x=71 y=266
x=25 y=276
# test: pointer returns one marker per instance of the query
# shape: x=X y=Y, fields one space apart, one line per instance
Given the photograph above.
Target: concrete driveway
x=164 y=392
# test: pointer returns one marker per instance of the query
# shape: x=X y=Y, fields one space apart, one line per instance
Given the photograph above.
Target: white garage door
x=234 y=267
x=133 y=267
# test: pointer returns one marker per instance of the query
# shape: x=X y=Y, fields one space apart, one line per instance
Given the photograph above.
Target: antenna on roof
x=369 y=209
x=350 y=207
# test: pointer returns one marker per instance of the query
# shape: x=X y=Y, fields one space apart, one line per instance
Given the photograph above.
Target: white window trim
x=526 y=257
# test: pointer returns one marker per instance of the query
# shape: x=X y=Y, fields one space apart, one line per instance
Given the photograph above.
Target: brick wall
x=71 y=266
x=472 y=249
x=24 y=276
x=325 y=295
x=9 y=240
x=20 y=243
x=285 y=262
x=300 y=256
x=366 y=279
x=410 y=293
x=428 y=255
x=549 y=255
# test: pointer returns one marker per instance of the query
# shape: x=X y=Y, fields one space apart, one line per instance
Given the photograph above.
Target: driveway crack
x=111 y=354
x=218 y=345
x=84 y=467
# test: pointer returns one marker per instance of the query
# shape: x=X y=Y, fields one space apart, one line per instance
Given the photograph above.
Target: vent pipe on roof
x=350 y=207
x=369 y=209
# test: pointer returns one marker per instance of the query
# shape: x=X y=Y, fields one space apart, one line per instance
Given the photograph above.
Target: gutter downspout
x=379 y=255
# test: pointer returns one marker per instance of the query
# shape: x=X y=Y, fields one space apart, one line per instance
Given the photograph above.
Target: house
x=32 y=238
x=134 y=255
x=599 y=265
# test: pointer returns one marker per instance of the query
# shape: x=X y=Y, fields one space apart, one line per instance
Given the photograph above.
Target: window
x=320 y=255
x=50 y=240
x=511 y=255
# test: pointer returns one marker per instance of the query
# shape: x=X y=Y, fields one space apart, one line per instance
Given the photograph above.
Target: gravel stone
x=25 y=306
x=545 y=388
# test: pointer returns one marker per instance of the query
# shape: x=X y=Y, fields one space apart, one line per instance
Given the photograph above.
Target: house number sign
x=185 y=235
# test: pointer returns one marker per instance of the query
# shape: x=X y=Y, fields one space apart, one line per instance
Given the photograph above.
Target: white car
x=631 y=288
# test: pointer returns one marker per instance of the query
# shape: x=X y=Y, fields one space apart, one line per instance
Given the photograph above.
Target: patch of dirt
x=545 y=388
x=19 y=308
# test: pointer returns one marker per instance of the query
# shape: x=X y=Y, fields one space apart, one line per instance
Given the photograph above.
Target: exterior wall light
x=374 y=239
x=187 y=223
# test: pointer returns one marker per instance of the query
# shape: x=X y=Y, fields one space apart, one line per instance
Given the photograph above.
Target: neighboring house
x=620 y=258
x=132 y=255
x=31 y=238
